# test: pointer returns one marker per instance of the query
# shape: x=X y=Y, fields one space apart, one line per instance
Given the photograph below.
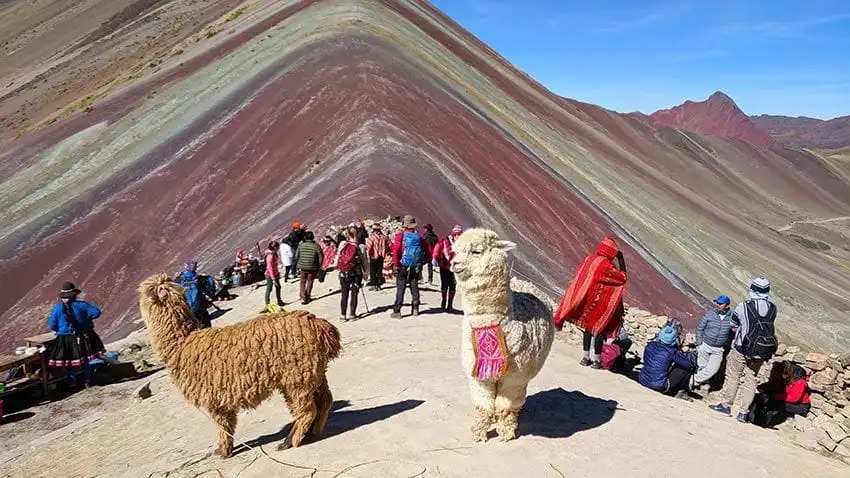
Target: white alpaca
x=498 y=393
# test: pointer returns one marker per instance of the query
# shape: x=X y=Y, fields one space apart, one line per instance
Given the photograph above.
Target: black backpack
x=760 y=341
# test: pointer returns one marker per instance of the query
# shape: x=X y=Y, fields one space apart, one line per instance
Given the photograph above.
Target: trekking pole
x=363 y=291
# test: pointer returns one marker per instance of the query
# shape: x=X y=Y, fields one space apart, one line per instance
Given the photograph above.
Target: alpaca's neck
x=168 y=339
x=486 y=300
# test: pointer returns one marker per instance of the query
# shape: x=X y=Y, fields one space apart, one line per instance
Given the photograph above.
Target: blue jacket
x=658 y=359
x=84 y=313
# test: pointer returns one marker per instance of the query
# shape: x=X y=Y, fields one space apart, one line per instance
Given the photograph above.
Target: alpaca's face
x=478 y=252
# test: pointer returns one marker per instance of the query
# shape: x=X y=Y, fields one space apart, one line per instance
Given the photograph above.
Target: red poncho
x=594 y=300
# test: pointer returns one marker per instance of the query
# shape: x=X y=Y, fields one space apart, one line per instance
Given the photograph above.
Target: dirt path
x=402 y=410
x=821 y=221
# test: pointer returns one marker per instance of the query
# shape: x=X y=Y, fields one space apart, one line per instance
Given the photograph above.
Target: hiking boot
x=597 y=365
x=415 y=311
x=343 y=318
x=721 y=408
x=585 y=362
x=281 y=304
x=743 y=417
x=395 y=315
x=683 y=395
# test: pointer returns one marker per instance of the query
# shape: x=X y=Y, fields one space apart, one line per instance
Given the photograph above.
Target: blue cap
x=723 y=299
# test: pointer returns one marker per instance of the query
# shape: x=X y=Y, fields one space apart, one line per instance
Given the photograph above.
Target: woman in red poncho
x=594 y=300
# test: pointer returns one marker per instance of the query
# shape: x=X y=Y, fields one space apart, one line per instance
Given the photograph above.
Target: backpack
x=760 y=341
x=349 y=258
x=412 y=255
x=610 y=355
x=196 y=292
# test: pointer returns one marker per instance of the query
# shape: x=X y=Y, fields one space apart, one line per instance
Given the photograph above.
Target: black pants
x=597 y=342
x=403 y=277
x=204 y=319
x=431 y=272
x=376 y=272
x=677 y=380
x=767 y=412
x=448 y=283
x=350 y=287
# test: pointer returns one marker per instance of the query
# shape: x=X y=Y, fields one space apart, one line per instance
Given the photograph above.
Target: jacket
x=431 y=239
x=714 y=329
x=83 y=316
x=377 y=246
x=294 y=238
x=329 y=256
x=796 y=392
x=272 y=260
x=443 y=253
x=658 y=359
x=309 y=256
x=362 y=235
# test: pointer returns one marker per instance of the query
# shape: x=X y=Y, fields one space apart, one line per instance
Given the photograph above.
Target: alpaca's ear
x=505 y=245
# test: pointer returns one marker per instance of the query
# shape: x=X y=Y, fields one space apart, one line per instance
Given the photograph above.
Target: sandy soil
x=402 y=411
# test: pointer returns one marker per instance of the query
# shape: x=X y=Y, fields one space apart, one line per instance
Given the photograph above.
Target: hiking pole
x=364 y=300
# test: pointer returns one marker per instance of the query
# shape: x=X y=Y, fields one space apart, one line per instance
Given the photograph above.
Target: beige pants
x=738 y=366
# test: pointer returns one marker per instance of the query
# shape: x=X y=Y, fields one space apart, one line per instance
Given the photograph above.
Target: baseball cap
x=723 y=299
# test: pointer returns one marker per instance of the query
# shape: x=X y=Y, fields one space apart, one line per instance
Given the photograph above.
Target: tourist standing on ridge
x=293 y=239
x=714 y=332
x=408 y=255
x=431 y=239
x=199 y=291
x=665 y=368
x=309 y=259
x=594 y=300
x=76 y=341
x=441 y=257
x=272 y=273
x=349 y=262
x=362 y=233
x=754 y=343
x=329 y=253
x=377 y=248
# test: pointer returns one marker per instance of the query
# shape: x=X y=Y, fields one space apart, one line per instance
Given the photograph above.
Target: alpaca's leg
x=324 y=402
x=482 y=394
x=304 y=412
x=226 y=421
x=509 y=400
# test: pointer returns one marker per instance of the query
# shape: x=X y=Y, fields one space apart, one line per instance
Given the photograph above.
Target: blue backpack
x=412 y=255
x=196 y=292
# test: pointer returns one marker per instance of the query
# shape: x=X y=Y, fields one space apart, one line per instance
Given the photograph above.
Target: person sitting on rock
x=594 y=300
x=786 y=394
x=665 y=368
x=714 y=332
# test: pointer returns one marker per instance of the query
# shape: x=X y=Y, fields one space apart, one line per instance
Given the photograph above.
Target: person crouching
x=666 y=369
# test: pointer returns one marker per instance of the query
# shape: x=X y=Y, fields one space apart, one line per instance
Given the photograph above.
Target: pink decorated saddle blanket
x=491 y=353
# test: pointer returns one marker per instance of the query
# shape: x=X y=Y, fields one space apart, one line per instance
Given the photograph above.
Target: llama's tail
x=160 y=291
x=328 y=335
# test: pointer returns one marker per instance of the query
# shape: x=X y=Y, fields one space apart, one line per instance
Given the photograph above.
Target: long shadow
x=341 y=422
x=218 y=313
x=16 y=417
x=558 y=413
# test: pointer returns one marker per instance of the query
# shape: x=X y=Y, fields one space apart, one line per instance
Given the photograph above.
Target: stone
x=817 y=401
x=827 y=443
x=836 y=398
x=815 y=357
x=842 y=451
x=834 y=356
x=846 y=423
x=810 y=438
x=817 y=387
x=799 y=358
x=834 y=364
x=835 y=430
x=143 y=392
x=845 y=360
x=829 y=409
x=802 y=423
x=793 y=349
x=661 y=321
x=780 y=349
x=825 y=377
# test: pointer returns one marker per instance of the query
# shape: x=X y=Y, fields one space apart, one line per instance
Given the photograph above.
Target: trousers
x=738 y=366
x=708 y=362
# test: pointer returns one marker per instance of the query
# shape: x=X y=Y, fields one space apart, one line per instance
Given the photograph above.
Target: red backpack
x=610 y=354
x=348 y=258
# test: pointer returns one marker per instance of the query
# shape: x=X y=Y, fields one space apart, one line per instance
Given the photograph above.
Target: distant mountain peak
x=721 y=96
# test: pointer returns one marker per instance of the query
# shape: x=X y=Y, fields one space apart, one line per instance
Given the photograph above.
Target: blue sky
x=777 y=57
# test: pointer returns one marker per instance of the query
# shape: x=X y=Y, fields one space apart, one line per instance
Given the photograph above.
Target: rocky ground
x=402 y=410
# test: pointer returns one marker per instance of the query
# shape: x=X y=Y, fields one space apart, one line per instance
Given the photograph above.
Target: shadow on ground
x=341 y=422
x=16 y=417
x=558 y=413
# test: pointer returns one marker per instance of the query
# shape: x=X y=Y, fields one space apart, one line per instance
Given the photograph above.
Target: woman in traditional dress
x=76 y=341
x=594 y=300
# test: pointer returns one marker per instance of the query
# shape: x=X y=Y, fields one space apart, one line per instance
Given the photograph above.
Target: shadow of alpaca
x=558 y=413
x=341 y=422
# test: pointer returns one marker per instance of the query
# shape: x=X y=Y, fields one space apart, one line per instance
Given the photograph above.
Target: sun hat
x=408 y=222
x=69 y=291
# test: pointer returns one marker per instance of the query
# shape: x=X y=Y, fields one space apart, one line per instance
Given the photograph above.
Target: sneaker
x=281 y=304
x=585 y=362
x=415 y=311
x=720 y=408
x=343 y=318
x=683 y=395
x=596 y=365
x=395 y=315
x=742 y=417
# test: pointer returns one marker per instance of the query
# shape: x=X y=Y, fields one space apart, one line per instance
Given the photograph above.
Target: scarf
x=594 y=299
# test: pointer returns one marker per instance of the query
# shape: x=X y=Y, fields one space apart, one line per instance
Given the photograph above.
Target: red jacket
x=443 y=252
x=795 y=392
x=397 y=248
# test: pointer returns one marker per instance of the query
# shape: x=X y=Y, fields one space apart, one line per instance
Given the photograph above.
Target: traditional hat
x=69 y=291
x=408 y=222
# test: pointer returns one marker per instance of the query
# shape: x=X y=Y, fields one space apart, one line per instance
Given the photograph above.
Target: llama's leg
x=510 y=398
x=303 y=408
x=226 y=421
x=324 y=401
x=482 y=394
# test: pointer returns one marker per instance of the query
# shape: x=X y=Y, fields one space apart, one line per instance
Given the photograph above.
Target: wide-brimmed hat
x=69 y=291
x=408 y=222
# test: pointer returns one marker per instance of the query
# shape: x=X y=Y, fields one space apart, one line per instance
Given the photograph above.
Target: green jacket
x=309 y=256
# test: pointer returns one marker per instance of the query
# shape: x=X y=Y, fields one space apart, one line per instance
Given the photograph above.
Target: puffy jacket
x=272 y=260
x=715 y=330
x=443 y=253
x=658 y=359
x=309 y=256
x=83 y=316
x=294 y=238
